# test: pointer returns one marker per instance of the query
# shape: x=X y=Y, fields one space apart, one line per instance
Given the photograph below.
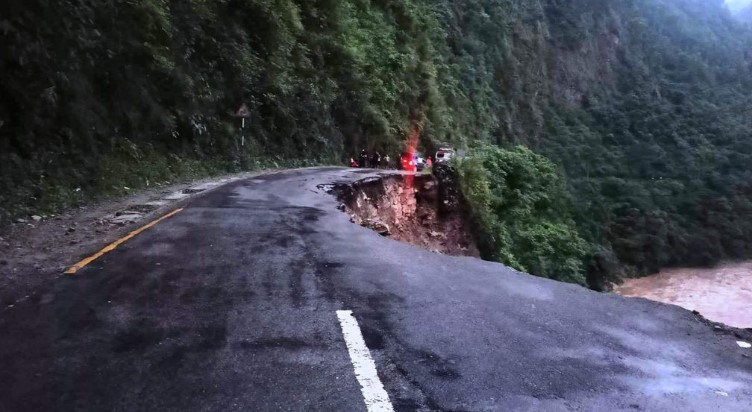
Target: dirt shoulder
x=38 y=249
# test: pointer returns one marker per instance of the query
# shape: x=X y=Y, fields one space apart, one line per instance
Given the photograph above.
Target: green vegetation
x=643 y=105
x=658 y=156
x=101 y=95
x=520 y=212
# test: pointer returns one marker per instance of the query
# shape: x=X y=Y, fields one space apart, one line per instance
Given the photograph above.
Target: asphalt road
x=231 y=305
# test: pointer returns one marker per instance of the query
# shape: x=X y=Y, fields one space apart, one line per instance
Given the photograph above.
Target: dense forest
x=639 y=111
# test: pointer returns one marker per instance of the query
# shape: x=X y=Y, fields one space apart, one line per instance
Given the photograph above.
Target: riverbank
x=721 y=294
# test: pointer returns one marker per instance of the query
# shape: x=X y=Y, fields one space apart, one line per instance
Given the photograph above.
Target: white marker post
x=376 y=398
x=242 y=113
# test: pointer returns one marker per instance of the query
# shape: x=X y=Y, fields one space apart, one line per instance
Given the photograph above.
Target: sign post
x=243 y=113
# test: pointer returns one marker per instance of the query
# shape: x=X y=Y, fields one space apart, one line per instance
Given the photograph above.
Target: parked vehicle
x=412 y=162
x=407 y=162
x=444 y=154
x=420 y=162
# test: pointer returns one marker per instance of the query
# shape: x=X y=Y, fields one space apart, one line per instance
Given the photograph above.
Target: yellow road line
x=109 y=248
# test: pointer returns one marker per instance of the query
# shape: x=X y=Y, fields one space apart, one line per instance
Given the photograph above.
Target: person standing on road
x=387 y=162
x=376 y=160
x=429 y=163
x=363 y=158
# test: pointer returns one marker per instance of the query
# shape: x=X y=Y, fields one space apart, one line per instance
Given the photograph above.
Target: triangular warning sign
x=243 y=111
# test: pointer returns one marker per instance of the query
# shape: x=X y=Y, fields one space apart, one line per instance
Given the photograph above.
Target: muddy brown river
x=722 y=294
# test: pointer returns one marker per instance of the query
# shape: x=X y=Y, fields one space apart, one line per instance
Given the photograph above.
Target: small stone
x=377 y=226
x=36 y=218
x=70 y=230
x=3 y=262
x=744 y=345
x=73 y=242
x=22 y=221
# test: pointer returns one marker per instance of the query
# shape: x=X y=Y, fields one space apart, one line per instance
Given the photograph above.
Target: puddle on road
x=722 y=294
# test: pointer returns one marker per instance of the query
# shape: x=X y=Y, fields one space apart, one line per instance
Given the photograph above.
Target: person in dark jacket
x=376 y=160
x=363 y=158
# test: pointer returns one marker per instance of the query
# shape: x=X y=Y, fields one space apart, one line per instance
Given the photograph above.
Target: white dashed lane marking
x=376 y=398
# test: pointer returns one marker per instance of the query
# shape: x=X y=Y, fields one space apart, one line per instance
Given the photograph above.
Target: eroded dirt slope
x=417 y=209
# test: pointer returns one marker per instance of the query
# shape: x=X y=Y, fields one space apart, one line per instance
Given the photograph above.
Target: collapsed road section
x=424 y=210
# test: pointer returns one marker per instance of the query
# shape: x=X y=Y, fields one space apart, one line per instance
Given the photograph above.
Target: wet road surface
x=233 y=305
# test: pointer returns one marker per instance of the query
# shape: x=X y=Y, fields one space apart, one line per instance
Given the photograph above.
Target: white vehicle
x=420 y=162
x=444 y=154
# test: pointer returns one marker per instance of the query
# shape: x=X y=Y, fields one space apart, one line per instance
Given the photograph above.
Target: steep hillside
x=101 y=95
x=657 y=155
x=644 y=104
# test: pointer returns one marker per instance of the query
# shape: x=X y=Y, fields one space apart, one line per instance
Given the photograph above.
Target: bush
x=520 y=213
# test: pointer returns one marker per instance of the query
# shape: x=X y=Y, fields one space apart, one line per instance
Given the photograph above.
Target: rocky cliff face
x=576 y=73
